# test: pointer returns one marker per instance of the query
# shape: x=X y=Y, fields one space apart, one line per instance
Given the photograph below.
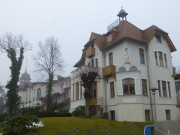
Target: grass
x=60 y=124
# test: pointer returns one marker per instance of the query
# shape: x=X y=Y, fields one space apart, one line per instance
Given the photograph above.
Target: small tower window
x=158 y=38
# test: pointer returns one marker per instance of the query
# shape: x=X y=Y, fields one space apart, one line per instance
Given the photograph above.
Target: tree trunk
x=88 y=98
x=49 y=93
x=87 y=109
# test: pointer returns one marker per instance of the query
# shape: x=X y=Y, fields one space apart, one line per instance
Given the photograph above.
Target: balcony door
x=94 y=94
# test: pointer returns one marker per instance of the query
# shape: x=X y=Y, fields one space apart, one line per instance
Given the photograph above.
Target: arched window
x=128 y=86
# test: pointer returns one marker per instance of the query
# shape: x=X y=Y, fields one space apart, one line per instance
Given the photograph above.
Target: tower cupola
x=122 y=14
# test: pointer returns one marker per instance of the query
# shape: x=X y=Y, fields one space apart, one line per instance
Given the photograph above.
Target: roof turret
x=122 y=14
x=25 y=75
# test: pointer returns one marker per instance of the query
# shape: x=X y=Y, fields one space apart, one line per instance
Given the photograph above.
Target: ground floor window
x=128 y=86
x=112 y=115
x=147 y=115
x=167 y=114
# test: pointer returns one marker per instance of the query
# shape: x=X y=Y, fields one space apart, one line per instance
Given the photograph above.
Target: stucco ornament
x=126 y=56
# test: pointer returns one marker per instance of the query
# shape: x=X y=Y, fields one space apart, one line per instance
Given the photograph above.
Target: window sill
x=165 y=97
x=158 y=66
x=129 y=94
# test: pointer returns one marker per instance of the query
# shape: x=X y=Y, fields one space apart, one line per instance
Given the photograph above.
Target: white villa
x=131 y=62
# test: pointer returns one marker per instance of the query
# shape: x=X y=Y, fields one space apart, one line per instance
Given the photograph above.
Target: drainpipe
x=147 y=45
x=104 y=56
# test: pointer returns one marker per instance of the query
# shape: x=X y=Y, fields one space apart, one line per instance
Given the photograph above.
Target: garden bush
x=79 y=111
x=18 y=125
x=104 y=115
x=29 y=109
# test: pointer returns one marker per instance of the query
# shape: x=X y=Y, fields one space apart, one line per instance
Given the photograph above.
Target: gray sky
x=72 y=21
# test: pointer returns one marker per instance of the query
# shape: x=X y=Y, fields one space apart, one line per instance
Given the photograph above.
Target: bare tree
x=88 y=75
x=49 y=62
x=14 y=46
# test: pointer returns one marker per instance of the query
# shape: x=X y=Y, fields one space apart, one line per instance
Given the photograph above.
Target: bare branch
x=9 y=40
x=48 y=59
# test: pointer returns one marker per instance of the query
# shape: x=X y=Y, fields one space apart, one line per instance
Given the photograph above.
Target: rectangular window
x=159 y=88
x=147 y=115
x=169 y=89
x=111 y=58
x=168 y=115
x=77 y=91
x=112 y=89
x=164 y=88
x=156 y=58
x=96 y=62
x=158 y=38
x=144 y=87
x=161 y=59
x=165 y=60
x=112 y=115
x=92 y=62
x=141 y=54
x=128 y=86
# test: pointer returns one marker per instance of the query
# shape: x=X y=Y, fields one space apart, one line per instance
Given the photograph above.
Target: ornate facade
x=131 y=61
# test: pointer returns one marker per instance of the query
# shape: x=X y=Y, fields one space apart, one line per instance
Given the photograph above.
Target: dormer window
x=158 y=38
x=109 y=38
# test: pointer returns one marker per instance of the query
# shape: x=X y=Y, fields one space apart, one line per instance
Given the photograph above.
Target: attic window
x=158 y=38
x=109 y=38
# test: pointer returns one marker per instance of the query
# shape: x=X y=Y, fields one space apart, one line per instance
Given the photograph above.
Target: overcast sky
x=72 y=21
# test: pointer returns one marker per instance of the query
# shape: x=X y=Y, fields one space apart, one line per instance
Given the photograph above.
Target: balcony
x=109 y=71
x=90 y=52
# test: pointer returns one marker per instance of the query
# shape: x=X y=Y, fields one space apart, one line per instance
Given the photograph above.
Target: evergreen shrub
x=79 y=111
x=18 y=125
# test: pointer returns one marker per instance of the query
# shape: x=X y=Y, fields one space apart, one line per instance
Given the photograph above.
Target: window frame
x=77 y=90
x=168 y=114
x=112 y=113
x=169 y=89
x=161 y=59
x=110 y=58
x=144 y=87
x=112 y=91
x=147 y=115
x=129 y=84
x=159 y=88
x=158 y=38
x=142 y=56
x=164 y=88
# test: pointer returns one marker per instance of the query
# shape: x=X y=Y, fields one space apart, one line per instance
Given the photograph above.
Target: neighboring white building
x=131 y=62
x=176 y=76
x=33 y=93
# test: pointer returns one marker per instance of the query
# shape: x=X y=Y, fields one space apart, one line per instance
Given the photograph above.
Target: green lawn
x=60 y=124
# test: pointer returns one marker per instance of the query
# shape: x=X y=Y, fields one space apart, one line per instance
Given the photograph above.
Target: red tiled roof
x=126 y=30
